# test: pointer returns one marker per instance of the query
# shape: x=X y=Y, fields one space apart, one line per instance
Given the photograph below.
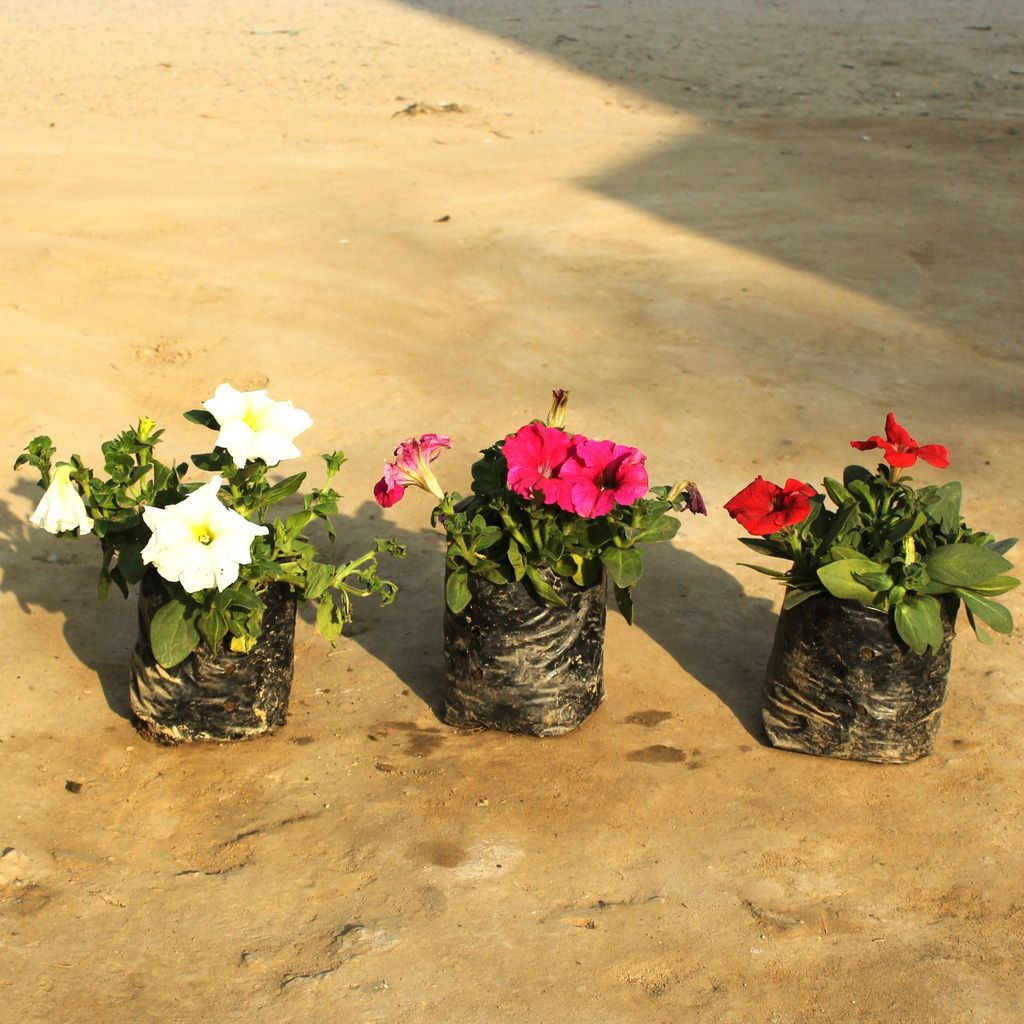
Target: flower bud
x=556 y=414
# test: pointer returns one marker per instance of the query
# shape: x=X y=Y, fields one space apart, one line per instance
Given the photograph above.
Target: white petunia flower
x=253 y=426
x=199 y=542
x=61 y=508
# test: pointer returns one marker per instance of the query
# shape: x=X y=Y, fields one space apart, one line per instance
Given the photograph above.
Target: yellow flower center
x=255 y=417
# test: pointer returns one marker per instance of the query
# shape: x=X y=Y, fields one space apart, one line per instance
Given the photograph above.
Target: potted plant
x=218 y=574
x=550 y=514
x=863 y=644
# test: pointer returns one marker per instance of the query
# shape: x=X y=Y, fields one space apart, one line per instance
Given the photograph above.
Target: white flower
x=199 y=542
x=253 y=426
x=61 y=508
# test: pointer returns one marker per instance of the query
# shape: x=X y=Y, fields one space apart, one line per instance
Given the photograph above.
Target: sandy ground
x=740 y=232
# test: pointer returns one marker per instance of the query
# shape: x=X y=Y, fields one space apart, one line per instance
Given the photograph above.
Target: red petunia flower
x=763 y=507
x=901 y=450
x=535 y=454
x=599 y=475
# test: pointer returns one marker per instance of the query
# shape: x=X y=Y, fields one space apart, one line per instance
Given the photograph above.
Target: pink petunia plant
x=544 y=501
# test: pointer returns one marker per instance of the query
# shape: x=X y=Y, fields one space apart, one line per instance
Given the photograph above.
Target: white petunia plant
x=214 y=545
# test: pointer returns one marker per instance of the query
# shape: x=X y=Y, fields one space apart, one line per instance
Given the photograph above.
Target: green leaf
x=588 y=570
x=839 y=579
x=624 y=599
x=861 y=490
x=318 y=578
x=840 y=551
x=212 y=462
x=329 y=619
x=487 y=537
x=129 y=561
x=490 y=473
x=839 y=520
x=795 y=597
x=647 y=512
x=995 y=586
x=544 y=589
x=947 y=508
x=774 y=573
x=241 y=597
x=335 y=460
x=837 y=492
x=172 y=634
x=982 y=635
x=905 y=527
x=1002 y=546
x=456 y=591
x=567 y=566
x=283 y=489
x=919 y=623
x=203 y=418
x=662 y=529
x=271 y=570
x=992 y=614
x=516 y=560
x=852 y=473
x=298 y=521
x=964 y=565
x=212 y=627
x=623 y=564
x=767 y=547
x=389 y=546
x=879 y=582
x=493 y=573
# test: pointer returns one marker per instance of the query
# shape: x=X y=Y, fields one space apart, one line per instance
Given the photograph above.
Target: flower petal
x=936 y=455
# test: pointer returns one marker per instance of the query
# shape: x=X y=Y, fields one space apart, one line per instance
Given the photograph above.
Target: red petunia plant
x=884 y=543
x=544 y=501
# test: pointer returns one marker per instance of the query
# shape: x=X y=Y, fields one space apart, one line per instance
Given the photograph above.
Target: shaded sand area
x=740 y=232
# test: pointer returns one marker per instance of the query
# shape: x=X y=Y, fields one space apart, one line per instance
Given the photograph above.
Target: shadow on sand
x=58 y=575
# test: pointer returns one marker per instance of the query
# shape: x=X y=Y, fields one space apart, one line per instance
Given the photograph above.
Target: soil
x=740 y=232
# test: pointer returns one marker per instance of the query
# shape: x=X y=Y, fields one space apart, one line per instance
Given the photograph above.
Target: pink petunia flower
x=901 y=450
x=535 y=455
x=598 y=475
x=411 y=468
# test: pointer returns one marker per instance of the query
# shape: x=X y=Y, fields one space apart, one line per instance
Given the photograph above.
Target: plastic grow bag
x=516 y=664
x=840 y=683
x=214 y=695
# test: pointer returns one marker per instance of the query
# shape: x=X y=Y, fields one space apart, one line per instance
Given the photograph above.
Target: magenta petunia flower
x=535 y=455
x=598 y=475
x=411 y=468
